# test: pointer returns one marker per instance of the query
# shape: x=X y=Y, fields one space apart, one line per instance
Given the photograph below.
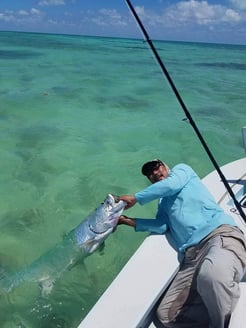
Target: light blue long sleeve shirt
x=186 y=208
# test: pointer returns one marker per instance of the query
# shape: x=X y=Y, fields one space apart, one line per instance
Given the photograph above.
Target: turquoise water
x=78 y=117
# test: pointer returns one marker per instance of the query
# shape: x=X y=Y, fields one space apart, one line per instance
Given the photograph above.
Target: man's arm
x=176 y=180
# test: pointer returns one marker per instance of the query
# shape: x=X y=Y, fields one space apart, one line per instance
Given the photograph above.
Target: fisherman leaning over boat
x=206 y=288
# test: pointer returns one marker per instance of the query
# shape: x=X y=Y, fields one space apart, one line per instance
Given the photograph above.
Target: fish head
x=107 y=215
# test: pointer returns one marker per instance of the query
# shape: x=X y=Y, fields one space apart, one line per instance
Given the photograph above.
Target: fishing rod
x=187 y=113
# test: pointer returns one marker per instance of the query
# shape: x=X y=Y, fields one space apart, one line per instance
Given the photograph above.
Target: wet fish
x=82 y=241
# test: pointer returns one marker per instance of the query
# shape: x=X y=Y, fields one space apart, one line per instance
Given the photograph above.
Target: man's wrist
x=127 y=221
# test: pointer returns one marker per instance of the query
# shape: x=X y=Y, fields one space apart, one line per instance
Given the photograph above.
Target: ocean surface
x=78 y=117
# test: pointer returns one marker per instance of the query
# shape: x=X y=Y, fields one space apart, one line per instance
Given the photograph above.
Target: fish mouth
x=119 y=206
x=115 y=203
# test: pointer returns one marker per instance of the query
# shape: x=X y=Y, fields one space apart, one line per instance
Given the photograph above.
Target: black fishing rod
x=187 y=113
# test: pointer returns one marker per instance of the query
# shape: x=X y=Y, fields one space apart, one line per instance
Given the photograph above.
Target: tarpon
x=78 y=243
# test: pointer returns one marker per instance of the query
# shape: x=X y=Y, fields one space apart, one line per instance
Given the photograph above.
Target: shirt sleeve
x=176 y=180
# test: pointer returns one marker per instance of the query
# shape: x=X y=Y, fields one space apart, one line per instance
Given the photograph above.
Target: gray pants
x=206 y=289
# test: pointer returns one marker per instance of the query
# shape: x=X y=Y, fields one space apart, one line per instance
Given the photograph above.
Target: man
x=206 y=288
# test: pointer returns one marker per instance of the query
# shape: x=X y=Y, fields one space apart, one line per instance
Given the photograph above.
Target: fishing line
x=187 y=113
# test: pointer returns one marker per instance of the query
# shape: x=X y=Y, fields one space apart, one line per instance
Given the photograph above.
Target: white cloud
x=140 y=10
x=51 y=3
x=192 y=12
x=22 y=13
x=240 y=4
x=34 y=11
x=231 y=16
x=203 y=13
x=6 y=16
x=108 y=17
x=149 y=16
x=21 y=16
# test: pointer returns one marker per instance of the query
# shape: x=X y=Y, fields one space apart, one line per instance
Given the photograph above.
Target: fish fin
x=101 y=248
x=90 y=245
x=75 y=263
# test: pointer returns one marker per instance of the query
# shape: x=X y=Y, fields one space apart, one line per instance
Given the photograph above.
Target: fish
x=79 y=243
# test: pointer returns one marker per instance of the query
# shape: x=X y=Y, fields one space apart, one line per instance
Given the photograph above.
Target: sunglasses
x=150 y=167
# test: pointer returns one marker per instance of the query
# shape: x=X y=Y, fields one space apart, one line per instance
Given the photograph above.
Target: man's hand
x=130 y=200
x=123 y=219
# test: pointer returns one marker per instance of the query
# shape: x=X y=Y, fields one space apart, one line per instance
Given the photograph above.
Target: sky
x=212 y=21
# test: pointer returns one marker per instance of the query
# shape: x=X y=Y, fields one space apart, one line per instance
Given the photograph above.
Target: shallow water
x=78 y=117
